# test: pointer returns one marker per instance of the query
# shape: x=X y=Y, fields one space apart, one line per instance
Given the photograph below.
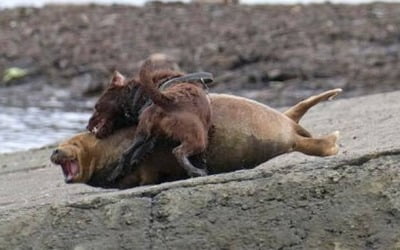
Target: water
x=25 y=128
x=39 y=3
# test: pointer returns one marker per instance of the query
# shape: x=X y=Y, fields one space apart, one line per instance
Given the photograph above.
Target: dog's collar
x=204 y=78
x=200 y=77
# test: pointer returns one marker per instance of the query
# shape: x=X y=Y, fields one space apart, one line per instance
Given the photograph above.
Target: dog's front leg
x=142 y=151
x=124 y=162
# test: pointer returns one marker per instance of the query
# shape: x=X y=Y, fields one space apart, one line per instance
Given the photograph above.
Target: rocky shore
x=275 y=54
x=349 y=201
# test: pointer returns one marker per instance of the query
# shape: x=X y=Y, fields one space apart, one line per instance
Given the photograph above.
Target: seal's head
x=76 y=158
x=85 y=159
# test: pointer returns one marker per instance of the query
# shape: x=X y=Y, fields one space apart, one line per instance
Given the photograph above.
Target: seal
x=246 y=133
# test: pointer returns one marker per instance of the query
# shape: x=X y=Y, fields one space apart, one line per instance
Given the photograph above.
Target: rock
x=84 y=84
x=315 y=47
x=349 y=201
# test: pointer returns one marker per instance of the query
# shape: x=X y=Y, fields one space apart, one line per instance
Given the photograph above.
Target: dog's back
x=183 y=99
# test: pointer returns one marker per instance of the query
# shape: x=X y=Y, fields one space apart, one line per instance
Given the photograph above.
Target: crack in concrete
x=12 y=171
x=151 y=223
x=359 y=161
x=152 y=231
x=91 y=204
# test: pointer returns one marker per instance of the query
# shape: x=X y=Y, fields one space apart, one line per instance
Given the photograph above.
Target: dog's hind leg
x=323 y=146
x=182 y=152
x=199 y=160
x=297 y=111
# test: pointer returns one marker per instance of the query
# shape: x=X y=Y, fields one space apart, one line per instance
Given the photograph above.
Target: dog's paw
x=114 y=175
x=117 y=172
x=197 y=172
x=136 y=159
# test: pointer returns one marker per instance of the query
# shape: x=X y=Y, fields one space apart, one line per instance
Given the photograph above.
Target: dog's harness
x=200 y=77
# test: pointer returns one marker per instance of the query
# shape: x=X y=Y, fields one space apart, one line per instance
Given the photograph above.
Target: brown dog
x=246 y=134
x=181 y=113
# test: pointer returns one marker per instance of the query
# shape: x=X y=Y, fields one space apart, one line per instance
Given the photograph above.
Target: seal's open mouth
x=70 y=169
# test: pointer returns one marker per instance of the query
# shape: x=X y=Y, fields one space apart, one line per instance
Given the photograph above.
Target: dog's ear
x=118 y=79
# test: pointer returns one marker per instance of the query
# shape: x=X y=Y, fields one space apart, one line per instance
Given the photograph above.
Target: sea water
x=25 y=128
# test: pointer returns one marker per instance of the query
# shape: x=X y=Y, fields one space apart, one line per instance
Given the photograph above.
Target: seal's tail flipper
x=297 y=111
x=323 y=146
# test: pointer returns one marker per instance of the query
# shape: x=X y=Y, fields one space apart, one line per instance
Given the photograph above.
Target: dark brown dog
x=120 y=104
x=180 y=113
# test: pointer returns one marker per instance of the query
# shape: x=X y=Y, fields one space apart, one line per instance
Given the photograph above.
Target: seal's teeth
x=68 y=178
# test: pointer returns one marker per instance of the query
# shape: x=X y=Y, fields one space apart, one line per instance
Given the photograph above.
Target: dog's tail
x=149 y=78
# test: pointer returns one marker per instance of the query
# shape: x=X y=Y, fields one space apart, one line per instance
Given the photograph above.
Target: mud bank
x=275 y=54
x=350 y=201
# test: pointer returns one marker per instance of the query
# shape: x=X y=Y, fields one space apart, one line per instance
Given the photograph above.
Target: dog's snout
x=56 y=151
